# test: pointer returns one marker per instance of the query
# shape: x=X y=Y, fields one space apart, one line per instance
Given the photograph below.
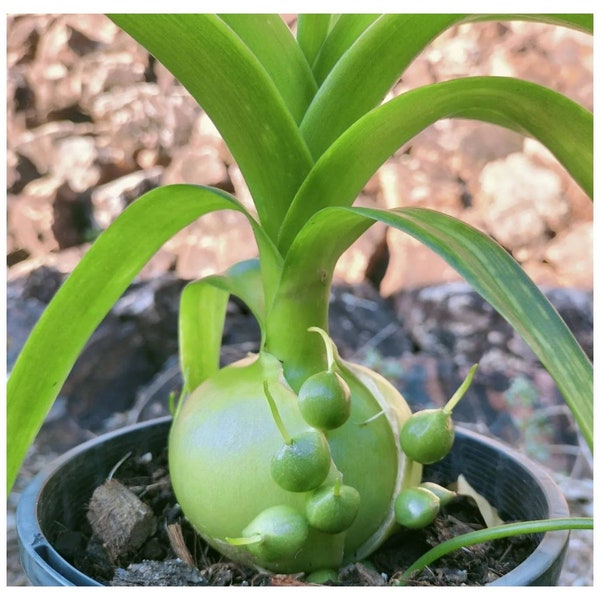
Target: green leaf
x=562 y=125
x=202 y=311
x=312 y=30
x=272 y=42
x=342 y=36
x=365 y=73
x=202 y=316
x=210 y=60
x=376 y=54
x=100 y=278
x=492 y=272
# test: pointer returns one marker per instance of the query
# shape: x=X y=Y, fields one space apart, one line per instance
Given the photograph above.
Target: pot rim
x=37 y=552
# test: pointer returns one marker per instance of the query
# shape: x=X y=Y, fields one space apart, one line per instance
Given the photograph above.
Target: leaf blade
x=202 y=316
x=271 y=41
x=378 y=58
x=563 y=126
x=490 y=270
x=312 y=31
x=342 y=36
x=93 y=287
x=254 y=122
x=500 y=280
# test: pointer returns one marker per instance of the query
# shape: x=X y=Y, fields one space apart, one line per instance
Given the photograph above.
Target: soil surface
x=160 y=548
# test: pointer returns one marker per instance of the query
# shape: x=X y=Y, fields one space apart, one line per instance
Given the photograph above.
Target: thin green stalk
x=460 y=392
x=287 y=438
x=489 y=534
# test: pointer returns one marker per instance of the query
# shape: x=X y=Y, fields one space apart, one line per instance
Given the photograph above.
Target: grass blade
x=489 y=534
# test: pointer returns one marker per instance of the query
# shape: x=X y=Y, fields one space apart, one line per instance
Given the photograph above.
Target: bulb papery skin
x=221 y=446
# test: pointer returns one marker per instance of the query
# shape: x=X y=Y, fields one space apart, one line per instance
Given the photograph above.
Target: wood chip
x=178 y=544
x=119 y=518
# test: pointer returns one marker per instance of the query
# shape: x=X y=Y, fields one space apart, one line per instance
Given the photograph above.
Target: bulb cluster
x=319 y=497
x=302 y=465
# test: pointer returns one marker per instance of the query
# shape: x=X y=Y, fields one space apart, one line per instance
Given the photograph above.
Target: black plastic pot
x=518 y=488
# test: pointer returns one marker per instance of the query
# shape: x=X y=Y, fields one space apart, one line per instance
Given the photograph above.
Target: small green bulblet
x=324 y=400
x=275 y=534
x=428 y=435
x=416 y=507
x=333 y=508
x=302 y=464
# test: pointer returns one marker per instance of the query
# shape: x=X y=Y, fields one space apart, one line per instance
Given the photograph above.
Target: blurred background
x=93 y=122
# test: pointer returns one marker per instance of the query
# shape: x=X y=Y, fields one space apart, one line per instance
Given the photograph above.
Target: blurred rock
x=41 y=144
x=452 y=320
x=110 y=199
x=570 y=254
x=522 y=205
x=139 y=117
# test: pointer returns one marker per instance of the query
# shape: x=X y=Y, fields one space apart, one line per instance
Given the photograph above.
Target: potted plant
x=291 y=438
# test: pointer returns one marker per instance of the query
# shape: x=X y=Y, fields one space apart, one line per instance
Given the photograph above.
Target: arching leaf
x=202 y=316
x=87 y=295
x=492 y=272
x=254 y=121
x=562 y=125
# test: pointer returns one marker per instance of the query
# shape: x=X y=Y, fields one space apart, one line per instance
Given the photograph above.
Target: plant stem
x=337 y=486
x=460 y=392
x=287 y=438
x=328 y=347
x=370 y=419
x=492 y=533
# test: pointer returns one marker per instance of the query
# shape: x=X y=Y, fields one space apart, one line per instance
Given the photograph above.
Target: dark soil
x=172 y=554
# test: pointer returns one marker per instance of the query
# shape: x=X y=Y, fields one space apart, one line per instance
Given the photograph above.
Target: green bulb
x=332 y=509
x=416 y=507
x=275 y=534
x=303 y=464
x=324 y=400
x=427 y=436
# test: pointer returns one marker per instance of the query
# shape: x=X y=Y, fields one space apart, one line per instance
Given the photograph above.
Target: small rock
x=522 y=202
x=110 y=199
x=42 y=283
x=359 y=574
x=571 y=254
x=150 y=573
x=120 y=519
